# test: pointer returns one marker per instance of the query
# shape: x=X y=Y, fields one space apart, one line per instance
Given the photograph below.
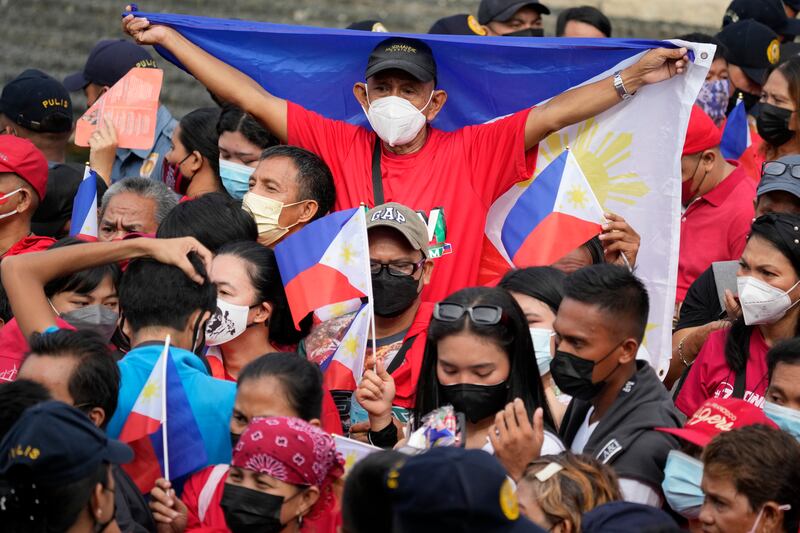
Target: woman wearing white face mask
x=252 y=316
x=538 y=291
x=733 y=362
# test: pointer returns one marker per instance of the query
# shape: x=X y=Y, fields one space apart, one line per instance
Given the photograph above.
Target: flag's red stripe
x=316 y=287
x=137 y=426
x=145 y=468
x=339 y=377
x=554 y=237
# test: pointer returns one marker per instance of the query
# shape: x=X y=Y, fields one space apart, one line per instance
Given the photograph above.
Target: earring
x=299 y=520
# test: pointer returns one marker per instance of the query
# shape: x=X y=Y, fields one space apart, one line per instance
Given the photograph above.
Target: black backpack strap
x=401 y=354
x=740 y=384
x=377 y=179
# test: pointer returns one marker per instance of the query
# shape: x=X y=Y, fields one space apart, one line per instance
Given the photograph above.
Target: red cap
x=19 y=156
x=718 y=415
x=701 y=134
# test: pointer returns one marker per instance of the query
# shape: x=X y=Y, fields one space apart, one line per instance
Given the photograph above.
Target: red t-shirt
x=31 y=243
x=710 y=376
x=715 y=227
x=462 y=172
x=13 y=347
x=214 y=519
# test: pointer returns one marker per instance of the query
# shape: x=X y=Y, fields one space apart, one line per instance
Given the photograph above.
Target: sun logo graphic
x=601 y=155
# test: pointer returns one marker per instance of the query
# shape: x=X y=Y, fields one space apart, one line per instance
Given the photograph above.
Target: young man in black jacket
x=617 y=400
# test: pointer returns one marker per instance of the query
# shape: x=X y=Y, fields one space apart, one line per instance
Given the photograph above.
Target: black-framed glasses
x=487 y=315
x=398 y=269
x=778 y=168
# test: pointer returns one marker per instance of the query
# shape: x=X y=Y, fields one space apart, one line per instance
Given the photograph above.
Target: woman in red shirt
x=732 y=362
x=275 y=385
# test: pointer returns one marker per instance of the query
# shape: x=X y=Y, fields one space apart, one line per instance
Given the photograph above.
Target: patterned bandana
x=290 y=450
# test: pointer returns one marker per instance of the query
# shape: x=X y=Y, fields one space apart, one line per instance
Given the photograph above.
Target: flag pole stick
x=164 y=433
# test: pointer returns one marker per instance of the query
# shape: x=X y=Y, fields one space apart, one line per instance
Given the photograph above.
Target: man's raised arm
x=220 y=78
x=579 y=104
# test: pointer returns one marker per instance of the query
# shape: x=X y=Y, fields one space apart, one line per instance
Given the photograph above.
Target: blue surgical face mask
x=786 y=418
x=682 y=477
x=541 y=346
x=235 y=178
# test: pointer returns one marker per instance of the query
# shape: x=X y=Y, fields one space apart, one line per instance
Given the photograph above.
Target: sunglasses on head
x=778 y=168
x=487 y=315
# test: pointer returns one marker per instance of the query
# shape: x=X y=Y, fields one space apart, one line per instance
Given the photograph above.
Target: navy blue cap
x=502 y=10
x=794 y=4
x=53 y=443
x=37 y=102
x=453 y=489
x=785 y=182
x=368 y=25
x=457 y=25
x=108 y=62
x=751 y=46
x=624 y=517
x=767 y=12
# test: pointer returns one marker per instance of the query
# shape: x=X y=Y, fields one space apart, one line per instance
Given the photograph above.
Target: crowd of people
x=554 y=423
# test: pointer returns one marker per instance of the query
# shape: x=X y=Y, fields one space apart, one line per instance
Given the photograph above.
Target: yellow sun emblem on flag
x=348 y=254
x=350 y=346
x=149 y=390
x=601 y=156
x=577 y=196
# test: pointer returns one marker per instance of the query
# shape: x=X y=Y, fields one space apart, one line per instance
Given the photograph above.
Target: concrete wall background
x=56 y=35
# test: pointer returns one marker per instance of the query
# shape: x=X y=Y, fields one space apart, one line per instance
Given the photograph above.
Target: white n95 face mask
x=541 y=346
x=396 y=120
x=228 y=322
x=761 y=302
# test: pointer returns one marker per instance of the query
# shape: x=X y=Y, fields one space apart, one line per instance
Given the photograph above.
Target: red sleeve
x=695 y=389
x=191 y=494
x=497 y=155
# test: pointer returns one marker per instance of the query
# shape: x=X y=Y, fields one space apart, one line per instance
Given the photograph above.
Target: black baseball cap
x=751 y=46
x=453 y=489
x=108 y=62
x=502 y=10
x=37 y=102
x=767 y=12
x=794 y=4
x=457 y=25
x=409 y=55
x=55 y=210
x=54 y=443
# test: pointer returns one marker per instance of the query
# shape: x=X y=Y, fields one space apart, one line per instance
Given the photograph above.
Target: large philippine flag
x=552 y=216
x=84 y=209
x=162 y=405
x=326 y=262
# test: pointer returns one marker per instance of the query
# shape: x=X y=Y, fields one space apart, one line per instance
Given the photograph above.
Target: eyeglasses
x=396 y=269
x=777 y=168
x=487 y=315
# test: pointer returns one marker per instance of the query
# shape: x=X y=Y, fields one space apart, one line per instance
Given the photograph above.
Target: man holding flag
x=461 y=173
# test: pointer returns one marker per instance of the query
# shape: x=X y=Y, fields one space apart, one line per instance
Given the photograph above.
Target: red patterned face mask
x=173 y=178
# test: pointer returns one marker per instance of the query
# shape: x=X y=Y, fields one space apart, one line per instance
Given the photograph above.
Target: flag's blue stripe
x=82 y=208
x=187 y=452
x=533 y=206
x=304 y=249
x=734 y=137
x=485 y=77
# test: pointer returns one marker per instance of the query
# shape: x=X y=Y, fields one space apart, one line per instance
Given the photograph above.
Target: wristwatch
x=620 y=87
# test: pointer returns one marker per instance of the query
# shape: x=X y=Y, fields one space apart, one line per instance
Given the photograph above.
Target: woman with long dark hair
x=192 y=164
x=777 y=120
x=479 y=358
x=733 y=362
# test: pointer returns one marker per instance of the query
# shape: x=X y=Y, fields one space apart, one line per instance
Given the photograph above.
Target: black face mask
x=475 y=401
x=235 y=439
x=393 y=294
x=251 y=511
x=528 y=32
x=773 y=124
x=573 y=375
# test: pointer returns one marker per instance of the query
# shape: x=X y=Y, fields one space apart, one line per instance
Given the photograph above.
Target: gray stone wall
x=56 y=35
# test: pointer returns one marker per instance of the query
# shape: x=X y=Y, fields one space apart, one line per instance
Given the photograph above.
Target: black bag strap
x=739 y=384
x=401 y=354
x=377 y=179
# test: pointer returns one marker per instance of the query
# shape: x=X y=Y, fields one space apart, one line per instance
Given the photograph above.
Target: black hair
x=199 y=132
x=366 y=500
x=786 y=352
x=778 y=230
x=40 y=508
x=586 y=14
x=511 y=335
x=6 y=313
x=15 y=397
x=95 y=380
x=544 y=283
x=233 y=119
x=213 y=219
x=155 y=295
x=266 y=279
x=300 y=378
x=314 y=178
x=83 y=281
x=613 y=289
x=697 y=37
x=595 y=248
